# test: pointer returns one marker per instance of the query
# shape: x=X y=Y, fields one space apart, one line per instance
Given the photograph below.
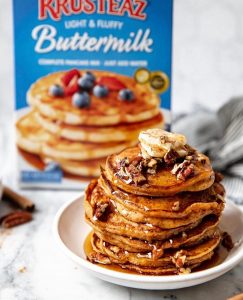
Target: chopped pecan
x=218 y=177
x=136 y=174
x=151 y=171
x=96 y=257
x=140 y=178
x=201 y=159
x=16 y=218
x=183 y=170
x=100 y=209
x=171 y=157
x=227 y=241
x=123 y=172
x=152 y=166
x=184 y=271
x=189 y=157
x=182 y=152
x=157 y=253
x=219 y=189
x=152 y=163
x=136 y=160
x=123 y=162
x=179 y=259
x=186 y=172
x=115 y=249
x=184 y=235
x=176 y=206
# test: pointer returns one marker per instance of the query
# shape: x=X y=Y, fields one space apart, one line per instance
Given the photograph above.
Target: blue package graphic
x=124 y=37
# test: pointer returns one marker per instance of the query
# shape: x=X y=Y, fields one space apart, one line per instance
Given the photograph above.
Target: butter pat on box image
x=89 y=76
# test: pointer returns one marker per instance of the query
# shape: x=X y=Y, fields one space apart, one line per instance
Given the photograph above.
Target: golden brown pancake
x=205 y=229
x=96 y=134
x=155 y=208
x=117 y=224
x=106 y=111
x=84 y=168
x=191 y=256
x=33 y=138
x=177 y=206
x=215 y=206
x=163 y=183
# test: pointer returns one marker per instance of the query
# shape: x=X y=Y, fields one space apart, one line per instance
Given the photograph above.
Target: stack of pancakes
x=79 y=139
x=155 y=215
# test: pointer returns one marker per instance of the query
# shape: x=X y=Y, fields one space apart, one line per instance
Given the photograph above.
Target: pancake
x=205 y=229
x=177 y=206
x=117 y=224
x=106 y=111
x=33 y=138
x=172 y=259
x=30 y=136
x=155 y=208
x=95 y=134
x=163 y=183
x=65 y=149
x=201 y=210
x=89 y=168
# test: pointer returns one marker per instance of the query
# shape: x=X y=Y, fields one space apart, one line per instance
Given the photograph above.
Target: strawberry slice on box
x=70 y=82
x=72 y=87
x=112 y=83
x=68 y=76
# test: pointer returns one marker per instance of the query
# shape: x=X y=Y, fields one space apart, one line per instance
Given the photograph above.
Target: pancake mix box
x=89 y=76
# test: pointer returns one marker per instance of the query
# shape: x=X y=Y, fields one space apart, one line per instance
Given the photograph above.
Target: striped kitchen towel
x=220 y=136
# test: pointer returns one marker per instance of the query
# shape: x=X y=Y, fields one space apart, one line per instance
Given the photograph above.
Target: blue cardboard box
x=89 y=75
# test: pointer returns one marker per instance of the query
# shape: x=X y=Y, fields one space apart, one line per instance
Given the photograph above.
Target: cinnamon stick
x=19 y=200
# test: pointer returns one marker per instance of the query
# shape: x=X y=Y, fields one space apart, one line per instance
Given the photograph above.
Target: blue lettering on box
x=38 y=176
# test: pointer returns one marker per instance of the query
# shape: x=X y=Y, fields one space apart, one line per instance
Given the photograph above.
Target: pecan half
x=123 y=162
x=186 y=172
x=171 y=157
x=218 y=177
x=176 y=206
x=179 y=259
x=16 y=218
x=227 y=241
x=101 y=209
x=136 y=174
x=157 y=253
x=183 y=170
x=96 y=257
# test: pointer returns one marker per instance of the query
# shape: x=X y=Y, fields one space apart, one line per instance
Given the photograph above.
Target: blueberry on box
x=81 y=100
x=126 y=95
x=100 y=91
x=85 y=83
x=89 y=76
x=56 y=90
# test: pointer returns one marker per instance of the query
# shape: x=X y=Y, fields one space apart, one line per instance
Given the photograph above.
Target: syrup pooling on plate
x=155 y=209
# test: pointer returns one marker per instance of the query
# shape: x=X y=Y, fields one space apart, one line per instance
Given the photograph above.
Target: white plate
x=70 y=231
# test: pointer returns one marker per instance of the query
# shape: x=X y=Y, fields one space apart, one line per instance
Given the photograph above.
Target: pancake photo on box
x=156 y=208
x=79 y=117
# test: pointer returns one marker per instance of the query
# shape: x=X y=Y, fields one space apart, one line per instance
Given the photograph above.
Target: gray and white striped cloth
x=219 y=135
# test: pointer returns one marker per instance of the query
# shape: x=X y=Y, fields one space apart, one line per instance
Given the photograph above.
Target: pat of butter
x=157 y=142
